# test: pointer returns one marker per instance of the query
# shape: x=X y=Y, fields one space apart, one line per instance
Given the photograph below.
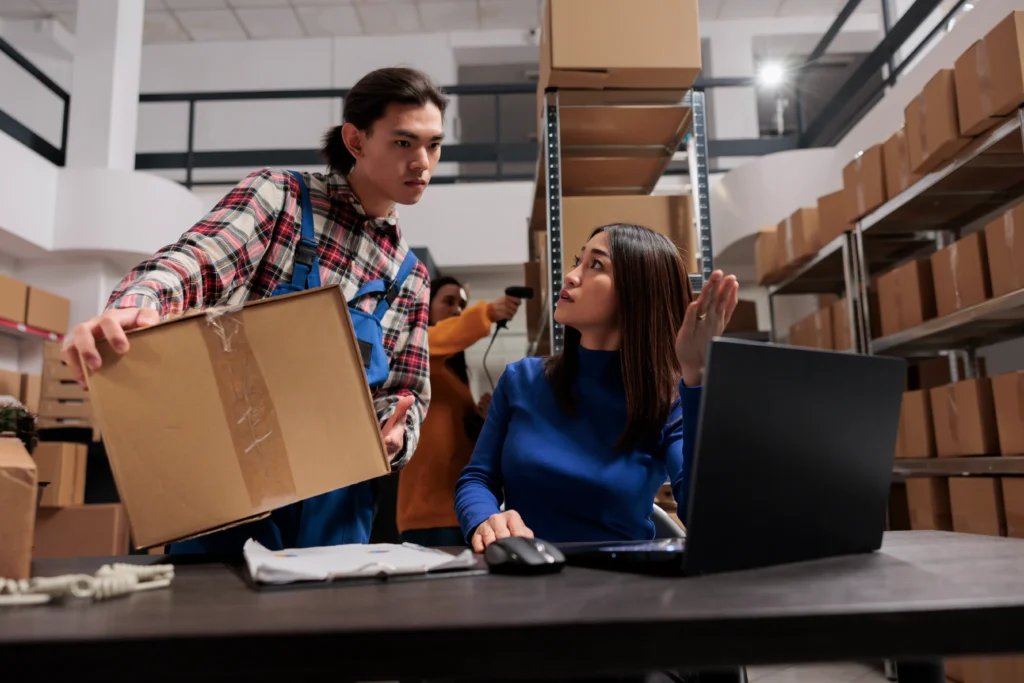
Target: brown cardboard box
x=534 y=305
x=243 y=428
x=1013 y=505
x=896 y=158
x=964 y=419
x=19 y=495
x=1004 y=248
x=82 y=531
x=1005 y=46
x=47 y=311
x=955 y=670
x=10 y=383
x=906 y=297
x=744 y=318
x=1008 y=397
x=932 y=124
x=605 y=44
x=814 y=331
x=916 y=436
x=1002 y=669
x=864 y=183
x=977 y=505
x=842 y=338
x=669 y=215
x=766 y=255
x=928 y=499
x=832 y=216
x=63 y=466
x=973 y=76
x=799 y=238
x=31 y=391
x=960 y=273
x=13 y=299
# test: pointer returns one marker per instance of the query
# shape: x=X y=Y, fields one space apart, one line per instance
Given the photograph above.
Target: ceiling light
x=772 y=74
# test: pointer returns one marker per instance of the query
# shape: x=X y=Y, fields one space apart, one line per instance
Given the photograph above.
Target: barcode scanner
x=518 y=292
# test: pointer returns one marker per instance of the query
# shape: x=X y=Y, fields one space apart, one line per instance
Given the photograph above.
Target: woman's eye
x=596 y=264
x=576 y=262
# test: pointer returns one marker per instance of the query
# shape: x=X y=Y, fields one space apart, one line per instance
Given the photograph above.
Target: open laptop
x=793 y=462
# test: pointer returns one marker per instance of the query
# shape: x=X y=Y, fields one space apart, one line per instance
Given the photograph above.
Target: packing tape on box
x=981 y=66
x=252 y=418
x=790 y=252
x=954 y=261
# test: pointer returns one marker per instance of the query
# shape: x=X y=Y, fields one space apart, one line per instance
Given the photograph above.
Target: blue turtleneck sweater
x=562 y=474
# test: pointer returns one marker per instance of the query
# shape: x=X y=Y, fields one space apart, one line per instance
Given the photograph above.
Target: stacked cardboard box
x=864 y=183
x=932 y=124
x=81 y=531
x=62 y=402
x=33 y=307
x=19 y=493
x=798 y=239
x=960 y=275
x=906 y=297
x=815 y=331
x=1004 y=249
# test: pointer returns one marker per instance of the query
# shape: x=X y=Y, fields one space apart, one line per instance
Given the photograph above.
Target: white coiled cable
x=109 y=582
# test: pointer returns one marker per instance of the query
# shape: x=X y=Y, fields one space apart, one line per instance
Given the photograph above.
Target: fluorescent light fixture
x=772 y=74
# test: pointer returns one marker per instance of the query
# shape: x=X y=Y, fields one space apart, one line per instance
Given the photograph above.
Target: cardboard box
x=19 y=495
x=47 y=311
x=973 y=76
x=62 y=465
x=932 y=124
x=896 y=159
x=1005 y=47
x=766 y=255
x=1013 y=506
x=928 y=500
x=1001 y=669
x=832 y=216
x=13 y=299
x=1004 y=249
x=744 y=317
x=864 y=183
x=842 y=337
x=10 y=383
x=1008 y=399
x=799 y=238
x=82 y=531
x=906 y=297
x=605 y=44
x=211 y=419
x=964 y=419
x=31 y=391
x=534 y=305
x=960 y=273
x=916 y=436
x=977 y=505
x=668 y=215
x=955 y=670
x=814 y=331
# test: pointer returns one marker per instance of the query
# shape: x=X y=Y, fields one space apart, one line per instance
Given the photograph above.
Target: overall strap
x=403 y=272
x=305 y=271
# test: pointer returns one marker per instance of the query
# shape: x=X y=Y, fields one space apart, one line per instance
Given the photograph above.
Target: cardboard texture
x=19 y=495
x=955 y=670
x=964 y=419
x=842 y=339
x=906 y=297
x=864 y=183
x=932 y=124
x=63 y=466
x=1004 y=249
x=1008 y=399
x=668 y=215
x=534 y=305
x=1005 y=47
x=604 y=44
x=832 y=216
x=1013 y=505
x=744 y=317
x=10 y=383
x=82 y=531
x=928 y=500
x=960 y=273
x=973 y=76
x=211 y=420
x=798 y=238
x=977 y=505
x=896 y=159
x=814 y=331
x=1002 y=669
x=766 y=255
x=31 y=391
x=916 y=437
x=47 y=311
x=13 y=299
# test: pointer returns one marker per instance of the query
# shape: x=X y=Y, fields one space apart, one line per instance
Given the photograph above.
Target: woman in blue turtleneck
x=578 y=444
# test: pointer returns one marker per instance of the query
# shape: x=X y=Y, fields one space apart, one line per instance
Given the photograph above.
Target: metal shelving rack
x=550 y=164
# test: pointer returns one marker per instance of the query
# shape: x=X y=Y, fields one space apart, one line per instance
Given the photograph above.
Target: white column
x=733 y=111
x=105 y=84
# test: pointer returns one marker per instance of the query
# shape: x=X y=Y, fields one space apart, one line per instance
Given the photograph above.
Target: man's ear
x=353 y=139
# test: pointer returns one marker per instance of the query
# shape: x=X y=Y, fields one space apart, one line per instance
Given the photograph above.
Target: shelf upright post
x=697 y=157
x=857 y=278
x=553 y=198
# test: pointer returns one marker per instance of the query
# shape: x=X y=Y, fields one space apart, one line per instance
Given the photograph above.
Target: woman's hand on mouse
x=705 y=318
x=501 y=525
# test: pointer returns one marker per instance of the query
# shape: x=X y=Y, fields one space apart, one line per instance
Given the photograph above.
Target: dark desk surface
x=924 y=594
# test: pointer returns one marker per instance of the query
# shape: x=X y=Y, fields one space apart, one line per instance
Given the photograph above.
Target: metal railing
x=21 y=132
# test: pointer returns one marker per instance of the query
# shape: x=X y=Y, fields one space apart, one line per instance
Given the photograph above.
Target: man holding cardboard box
x=278 y=232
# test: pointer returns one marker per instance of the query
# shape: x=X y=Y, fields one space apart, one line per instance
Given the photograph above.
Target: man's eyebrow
x=402 y=133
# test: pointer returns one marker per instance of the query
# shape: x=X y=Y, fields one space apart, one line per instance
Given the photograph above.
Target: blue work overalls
x=344 y=515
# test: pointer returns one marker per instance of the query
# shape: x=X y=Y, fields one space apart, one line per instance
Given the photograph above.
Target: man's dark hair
x=367 y=101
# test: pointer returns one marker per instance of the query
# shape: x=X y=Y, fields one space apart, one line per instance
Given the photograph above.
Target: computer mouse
x=518 y=555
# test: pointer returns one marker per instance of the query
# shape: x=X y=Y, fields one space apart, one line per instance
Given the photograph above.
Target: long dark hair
x=653 y=291
x=456 y=363
x=367 y=101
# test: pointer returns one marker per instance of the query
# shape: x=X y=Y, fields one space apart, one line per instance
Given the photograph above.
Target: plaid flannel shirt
x=245 y=246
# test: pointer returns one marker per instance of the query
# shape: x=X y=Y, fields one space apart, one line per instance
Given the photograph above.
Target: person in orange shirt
x=426 y=487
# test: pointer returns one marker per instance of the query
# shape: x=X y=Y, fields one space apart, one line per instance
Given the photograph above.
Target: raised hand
x=705 y=318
